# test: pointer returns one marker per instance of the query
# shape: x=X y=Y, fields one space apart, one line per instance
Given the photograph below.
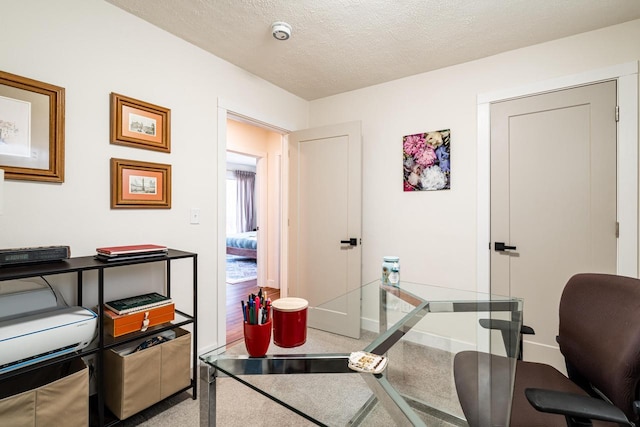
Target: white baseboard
x=424 y=338
x=417 y=337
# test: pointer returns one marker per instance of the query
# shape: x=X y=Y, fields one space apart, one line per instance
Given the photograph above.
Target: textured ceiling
x=341 y=45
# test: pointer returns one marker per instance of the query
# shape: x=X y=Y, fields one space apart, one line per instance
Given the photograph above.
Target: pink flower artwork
x=426 y=161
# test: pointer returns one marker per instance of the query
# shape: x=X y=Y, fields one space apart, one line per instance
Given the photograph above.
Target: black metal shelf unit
x=79 y=265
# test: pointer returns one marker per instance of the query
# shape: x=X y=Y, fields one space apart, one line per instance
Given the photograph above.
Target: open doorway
x=242 y=222
x=252 y=218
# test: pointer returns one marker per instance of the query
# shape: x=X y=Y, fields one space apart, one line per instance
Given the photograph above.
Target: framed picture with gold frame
x=140 y=124
x=136 y=185
x=31 y=129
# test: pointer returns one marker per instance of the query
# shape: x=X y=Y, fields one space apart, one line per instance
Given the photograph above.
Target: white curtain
x=245 y=211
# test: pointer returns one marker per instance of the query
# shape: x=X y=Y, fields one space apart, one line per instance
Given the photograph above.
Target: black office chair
x=599 y=337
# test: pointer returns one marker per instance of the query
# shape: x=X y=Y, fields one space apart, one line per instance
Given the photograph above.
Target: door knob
x=501 y=247
x=352 y=241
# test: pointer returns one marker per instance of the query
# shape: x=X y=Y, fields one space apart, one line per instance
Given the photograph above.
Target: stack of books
x=137 y=313
x=123 y=253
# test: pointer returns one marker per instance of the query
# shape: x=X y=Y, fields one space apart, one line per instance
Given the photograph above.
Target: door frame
x=226 y=111
x=626 y=76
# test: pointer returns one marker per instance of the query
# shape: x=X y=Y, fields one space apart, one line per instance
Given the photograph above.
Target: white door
x=553 y=201
x=325 y=193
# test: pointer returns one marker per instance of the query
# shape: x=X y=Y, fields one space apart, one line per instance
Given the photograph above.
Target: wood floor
x=236 y=293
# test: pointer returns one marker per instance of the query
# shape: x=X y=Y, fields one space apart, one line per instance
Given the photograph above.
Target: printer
x=36 y=326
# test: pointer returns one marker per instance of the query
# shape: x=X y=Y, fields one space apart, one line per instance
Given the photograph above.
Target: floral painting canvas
x=426 y=158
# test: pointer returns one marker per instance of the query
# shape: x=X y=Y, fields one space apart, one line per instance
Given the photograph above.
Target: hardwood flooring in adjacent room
x=236 y=293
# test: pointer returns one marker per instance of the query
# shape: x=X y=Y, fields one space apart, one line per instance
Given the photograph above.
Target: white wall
x=92 y=48
x=434 y=233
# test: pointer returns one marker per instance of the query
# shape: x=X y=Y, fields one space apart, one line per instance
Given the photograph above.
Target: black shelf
x=87 y=351
x=100 y=415
x=74 y=265
x=180 y=320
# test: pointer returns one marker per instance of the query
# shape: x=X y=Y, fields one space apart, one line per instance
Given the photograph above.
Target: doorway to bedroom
x=242 y=225
x=252 y=217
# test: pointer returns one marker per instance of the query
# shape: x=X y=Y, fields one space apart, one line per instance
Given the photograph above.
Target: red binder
x=131 y=249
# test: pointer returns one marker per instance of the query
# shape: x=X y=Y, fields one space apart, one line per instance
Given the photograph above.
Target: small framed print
x=140 y=124
x=140 y=185
x=31 y=129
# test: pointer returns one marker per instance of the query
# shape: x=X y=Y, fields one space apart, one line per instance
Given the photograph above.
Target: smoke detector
x=281 y=30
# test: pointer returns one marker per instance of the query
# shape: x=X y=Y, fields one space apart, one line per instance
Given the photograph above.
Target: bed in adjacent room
x=243 y=244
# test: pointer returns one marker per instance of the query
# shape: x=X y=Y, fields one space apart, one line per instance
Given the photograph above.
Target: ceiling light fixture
x=281 y=30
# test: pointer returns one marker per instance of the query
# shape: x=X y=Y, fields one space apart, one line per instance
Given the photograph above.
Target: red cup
x=257 y=338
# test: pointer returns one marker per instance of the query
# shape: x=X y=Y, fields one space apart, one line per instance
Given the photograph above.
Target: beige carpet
x=333 y=398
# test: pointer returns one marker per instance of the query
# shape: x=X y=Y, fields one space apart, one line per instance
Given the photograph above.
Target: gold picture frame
x=139 y=124
x=31 y=129
x=140 y=185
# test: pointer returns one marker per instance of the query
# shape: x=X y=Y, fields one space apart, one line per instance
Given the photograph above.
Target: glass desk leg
x=383 y=311
x=207 y=395
x=391 y=400
x=368 y=406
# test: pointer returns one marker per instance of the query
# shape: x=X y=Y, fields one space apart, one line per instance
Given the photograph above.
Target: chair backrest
x=599 y=334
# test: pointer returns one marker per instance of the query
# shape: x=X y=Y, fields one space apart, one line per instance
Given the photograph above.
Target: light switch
x=195 y=216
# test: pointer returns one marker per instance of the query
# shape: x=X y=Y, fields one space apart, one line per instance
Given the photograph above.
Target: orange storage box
x=117 y=325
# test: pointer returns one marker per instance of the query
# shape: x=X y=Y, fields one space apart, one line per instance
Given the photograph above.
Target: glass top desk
x=419 y=327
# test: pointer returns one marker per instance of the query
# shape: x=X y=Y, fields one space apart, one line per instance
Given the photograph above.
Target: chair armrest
x=510 y=336
x=505 y=325
x=527 y=330
x=575 y=405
